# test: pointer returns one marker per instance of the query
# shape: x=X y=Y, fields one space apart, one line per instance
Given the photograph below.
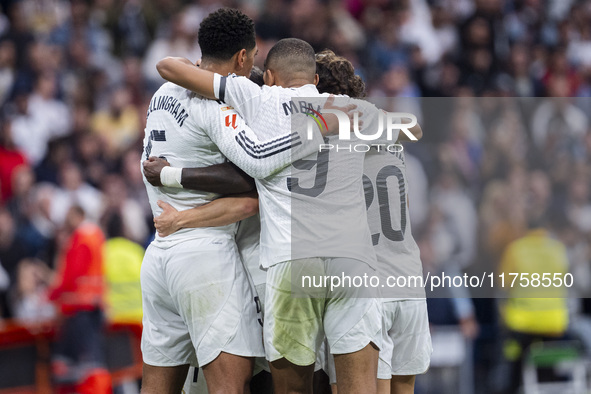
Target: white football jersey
x=175 y=133
x=386 y=198
x=191 y=131
x=314 y=208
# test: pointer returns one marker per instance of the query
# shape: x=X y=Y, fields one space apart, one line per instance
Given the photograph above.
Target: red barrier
x=25 y=356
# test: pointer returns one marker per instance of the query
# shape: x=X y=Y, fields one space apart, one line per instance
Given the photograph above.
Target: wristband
x=171 y=177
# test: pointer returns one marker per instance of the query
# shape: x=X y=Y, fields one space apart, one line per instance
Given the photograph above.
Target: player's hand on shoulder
x=346 y=106
x=152 y=168
x=166 y=223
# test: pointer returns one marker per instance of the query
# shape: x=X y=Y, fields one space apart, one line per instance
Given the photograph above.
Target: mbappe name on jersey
x=171 y=105
x=300 y=107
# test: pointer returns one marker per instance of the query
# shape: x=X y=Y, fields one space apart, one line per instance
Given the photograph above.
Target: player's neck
x=294 y=83
x=293 y=80
x=220 y=68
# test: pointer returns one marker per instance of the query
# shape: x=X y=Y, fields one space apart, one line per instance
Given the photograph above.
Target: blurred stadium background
x=76 y=78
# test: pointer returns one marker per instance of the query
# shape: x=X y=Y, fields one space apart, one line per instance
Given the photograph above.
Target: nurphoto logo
x=386 y=123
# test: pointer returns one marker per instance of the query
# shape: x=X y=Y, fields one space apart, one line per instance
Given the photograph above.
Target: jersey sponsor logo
x=226 y=108
x=231 y=121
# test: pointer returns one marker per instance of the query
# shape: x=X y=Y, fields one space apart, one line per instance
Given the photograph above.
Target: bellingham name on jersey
x=170 y=104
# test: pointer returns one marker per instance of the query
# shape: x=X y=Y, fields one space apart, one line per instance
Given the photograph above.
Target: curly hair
x=225 y=32
x=337 y=75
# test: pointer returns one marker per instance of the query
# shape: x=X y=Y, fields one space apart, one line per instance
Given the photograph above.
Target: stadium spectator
x=82 y=25
x=10 y=159
x=7 y=68
x=36 y=230
x=23 y=181
x=121 y=215
x=119 y=125
x=180 y=41
x=11 y=252
x=459 y=215
x=558 y=126
x=123 y=297
x=78 y=293
x=501 y=220
x=29 y=300
x=578 y=206
x=526 y=316
x=74 y=191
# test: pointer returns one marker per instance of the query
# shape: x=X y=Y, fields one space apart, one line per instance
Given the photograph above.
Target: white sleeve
x=260 y=158
x=239 y=92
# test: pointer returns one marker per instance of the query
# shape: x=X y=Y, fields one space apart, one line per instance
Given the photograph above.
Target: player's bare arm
x=415 y=131
x=220 y=212
x=224 y=178
x=182 y=72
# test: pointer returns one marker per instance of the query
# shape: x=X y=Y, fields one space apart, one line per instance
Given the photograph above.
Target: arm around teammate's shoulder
x=184 y=73
x=225 y=178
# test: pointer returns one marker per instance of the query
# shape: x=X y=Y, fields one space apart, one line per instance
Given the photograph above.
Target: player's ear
x=316 y=79
x=240 y=58
x=268 y=78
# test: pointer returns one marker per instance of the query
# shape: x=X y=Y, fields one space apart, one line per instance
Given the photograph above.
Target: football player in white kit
x=199 y=305
x=406 y=345
x=293 y=326
x=406 y=339
x=227 y=180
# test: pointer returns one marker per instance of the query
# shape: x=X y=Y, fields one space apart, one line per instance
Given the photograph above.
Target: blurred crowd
x=76 y=78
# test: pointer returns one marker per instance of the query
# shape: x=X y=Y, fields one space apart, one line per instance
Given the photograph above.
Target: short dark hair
x=336 y=75
x=290 y=56
x=225 y=32
x=256 y=76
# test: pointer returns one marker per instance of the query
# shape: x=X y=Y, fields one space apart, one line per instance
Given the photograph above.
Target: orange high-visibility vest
x=80 y=281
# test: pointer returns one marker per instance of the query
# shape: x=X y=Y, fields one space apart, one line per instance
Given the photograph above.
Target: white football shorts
x=261 y=363
x=198 y=302
x=295 y=326
x=406 y=340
